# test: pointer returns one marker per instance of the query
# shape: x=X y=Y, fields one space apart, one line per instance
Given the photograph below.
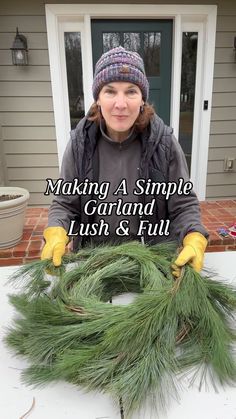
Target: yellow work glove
x=55 y=246
x=194 y=246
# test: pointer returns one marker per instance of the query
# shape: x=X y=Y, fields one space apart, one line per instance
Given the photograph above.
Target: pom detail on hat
x=119 y=64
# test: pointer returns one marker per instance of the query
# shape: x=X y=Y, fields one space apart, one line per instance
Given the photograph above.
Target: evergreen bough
x=69 y=331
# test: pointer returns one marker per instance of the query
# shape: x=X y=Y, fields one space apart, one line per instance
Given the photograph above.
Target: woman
x=130 y=172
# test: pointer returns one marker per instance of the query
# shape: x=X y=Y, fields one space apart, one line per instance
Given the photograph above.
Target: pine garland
x=69 y=331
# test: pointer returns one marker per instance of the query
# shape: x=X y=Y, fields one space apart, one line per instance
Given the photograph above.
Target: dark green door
x=152 y=39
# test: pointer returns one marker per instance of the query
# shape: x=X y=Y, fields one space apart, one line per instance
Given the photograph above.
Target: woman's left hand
x=194 y=246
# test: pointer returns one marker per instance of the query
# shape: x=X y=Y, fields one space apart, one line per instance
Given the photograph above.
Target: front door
x=152 y=39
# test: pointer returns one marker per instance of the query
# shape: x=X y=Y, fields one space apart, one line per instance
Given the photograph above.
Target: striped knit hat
x=119 y=64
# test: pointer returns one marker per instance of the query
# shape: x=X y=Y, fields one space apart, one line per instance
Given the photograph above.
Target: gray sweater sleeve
x=65 y=208
x=184 y=210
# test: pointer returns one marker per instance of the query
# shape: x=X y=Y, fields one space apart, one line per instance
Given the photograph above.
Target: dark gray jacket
x=162 y=160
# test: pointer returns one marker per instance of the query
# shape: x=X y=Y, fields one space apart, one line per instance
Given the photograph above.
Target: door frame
x=203 y=17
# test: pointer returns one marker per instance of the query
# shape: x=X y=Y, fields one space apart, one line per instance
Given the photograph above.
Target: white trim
x=207 y=88
x=64 y=27
x=56 y=80
x=135 y=10
x=87 y=59
x=198 y=102
x=176 y=76
x=205 y=15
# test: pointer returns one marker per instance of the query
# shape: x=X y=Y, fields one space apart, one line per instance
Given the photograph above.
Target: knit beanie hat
x=119 y=64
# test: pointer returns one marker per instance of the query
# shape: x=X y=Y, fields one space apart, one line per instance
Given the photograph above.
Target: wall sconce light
x=19 y=50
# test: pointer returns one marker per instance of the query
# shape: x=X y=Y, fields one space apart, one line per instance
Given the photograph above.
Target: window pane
x=74 y=76
x=187 y=96
x=110 y=40
x=152 y=44
x=132 y=41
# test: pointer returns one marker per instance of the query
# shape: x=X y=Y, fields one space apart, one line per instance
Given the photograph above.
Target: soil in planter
x=8 y=197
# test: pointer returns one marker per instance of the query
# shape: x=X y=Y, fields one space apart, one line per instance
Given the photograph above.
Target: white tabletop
x=62 y=400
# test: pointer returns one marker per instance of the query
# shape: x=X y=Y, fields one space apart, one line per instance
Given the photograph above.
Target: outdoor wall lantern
x=19 y=50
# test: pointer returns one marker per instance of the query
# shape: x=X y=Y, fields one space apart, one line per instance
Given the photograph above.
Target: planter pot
x=12 y=214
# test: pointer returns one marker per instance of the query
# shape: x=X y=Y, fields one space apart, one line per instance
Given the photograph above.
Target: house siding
x=222 y=143
x=27 y=117
x=28 y=138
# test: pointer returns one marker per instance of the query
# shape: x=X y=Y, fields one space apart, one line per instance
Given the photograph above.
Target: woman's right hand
x=55 y=247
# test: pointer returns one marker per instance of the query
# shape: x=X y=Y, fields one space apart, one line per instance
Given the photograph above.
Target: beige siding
x=224 y=179
x=33 y=186
x=218 y=141
x=223 y=113
x=30 y=147
x=35 y=40
x=35 y=24
x=29 y=133
x=20 y=103
x=26 y=88
x=28 y=136
x=223 y=85
x=221 y=191
x=32 y=173
x=223 y=127
x=215 y=167
x=36 y=57
x=221 y=153
x=27 y=118
x=2 y=161
x=224 y=98
x=31 y=160
x=10 y=73
x=222 y=184
x=224 y=70
x=224 y=55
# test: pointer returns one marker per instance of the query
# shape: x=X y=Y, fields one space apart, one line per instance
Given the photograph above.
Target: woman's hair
x=94 y=114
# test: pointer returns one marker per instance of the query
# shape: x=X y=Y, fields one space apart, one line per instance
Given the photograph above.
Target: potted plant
x=13 y=203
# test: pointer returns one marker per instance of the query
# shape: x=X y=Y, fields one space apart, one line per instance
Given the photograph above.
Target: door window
x=147 y=44
x=74 y=76
x=110 y=40
x=187 y=95
x=152 y=46
x=132 y=41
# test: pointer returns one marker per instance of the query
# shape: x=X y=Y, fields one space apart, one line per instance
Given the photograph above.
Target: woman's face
x=120 y=106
